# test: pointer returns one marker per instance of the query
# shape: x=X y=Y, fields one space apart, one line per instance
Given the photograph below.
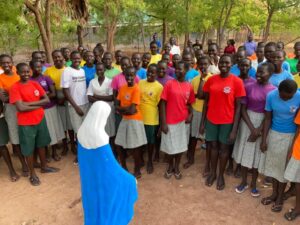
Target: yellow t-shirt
x=82 y=63
x=198 y=104
x=117 y=66
x=55 y=75
x=297 y=79
x=155 y=59
x=150 y=97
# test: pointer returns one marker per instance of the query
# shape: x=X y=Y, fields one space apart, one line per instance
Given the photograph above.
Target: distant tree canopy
x=29 y=22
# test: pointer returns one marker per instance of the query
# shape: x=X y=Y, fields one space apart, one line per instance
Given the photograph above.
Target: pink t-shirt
x=119 y=81
x=177 y=95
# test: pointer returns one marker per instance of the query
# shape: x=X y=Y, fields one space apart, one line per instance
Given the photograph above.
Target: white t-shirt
x=75 y=80
x=175 y=50
x=255 y=63
x=104 y=90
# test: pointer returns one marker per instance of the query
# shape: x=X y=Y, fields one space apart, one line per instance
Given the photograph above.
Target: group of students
x=244 y=110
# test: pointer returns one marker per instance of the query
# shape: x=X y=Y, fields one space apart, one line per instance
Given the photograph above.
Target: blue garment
x=89 y=73
x=108 y=191
x=142 y=73
x=286 y=66
x=236 y=71
x=276 y=78
x=190 y=75
x=283 y=112
x=158 y=43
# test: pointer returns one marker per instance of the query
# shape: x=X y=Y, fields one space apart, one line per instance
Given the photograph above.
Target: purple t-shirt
x=256 y=95
x=249 y=81
x=45 y=82
x=250 y=47
x=171 y=71
x=164 y=80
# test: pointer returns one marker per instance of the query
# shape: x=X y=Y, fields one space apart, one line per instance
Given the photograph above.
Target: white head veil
x=92 y=133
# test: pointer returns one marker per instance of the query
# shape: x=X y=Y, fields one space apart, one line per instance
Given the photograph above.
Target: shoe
x=241 y=189
x=255 y=193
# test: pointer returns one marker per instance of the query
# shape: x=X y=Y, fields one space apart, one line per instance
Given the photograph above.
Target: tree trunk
x=268 y=26
x=143 y=36
x=223 y=26
x=79 y=35
x=38 y=18
x=110 y=35
x=165 y=31
x=187 y=34
x=203 y=38
x=48 y=21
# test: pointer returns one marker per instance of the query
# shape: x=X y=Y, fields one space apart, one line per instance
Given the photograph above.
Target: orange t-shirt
x=130 y=95
x=7 y=81
x=296 y=146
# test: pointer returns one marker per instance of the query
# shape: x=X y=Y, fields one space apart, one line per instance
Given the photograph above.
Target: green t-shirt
x=68 y=63
x=293 y=65
x=111 y=73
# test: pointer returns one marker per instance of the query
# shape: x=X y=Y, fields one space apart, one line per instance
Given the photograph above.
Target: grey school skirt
x=278 y=147
x=77 y=120
x=248 y=153
x=195 y=124
x=131 y=134
x=63 y=111
x=10 y=113
x=177 y=139
x=110 y=127
x=54 y=125
x=292 y=171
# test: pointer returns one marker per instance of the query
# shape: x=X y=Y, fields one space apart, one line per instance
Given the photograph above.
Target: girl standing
x=176 y=115
x=281 y=107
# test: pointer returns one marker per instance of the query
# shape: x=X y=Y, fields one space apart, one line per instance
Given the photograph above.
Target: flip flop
x=291 y=215
x=168 y=175
x=277 y=208
x=267 y=201
x=35 y=181
x=178 y=175
x=49 y=170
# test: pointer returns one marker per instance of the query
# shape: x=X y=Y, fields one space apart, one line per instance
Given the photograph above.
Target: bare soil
x=161 y=201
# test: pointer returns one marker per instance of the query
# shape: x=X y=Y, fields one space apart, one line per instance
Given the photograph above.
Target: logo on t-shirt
x=43 y=83
x=36 y=92
x=127 y=96
x=227 y=90
x=150 y=93
x=293 y=108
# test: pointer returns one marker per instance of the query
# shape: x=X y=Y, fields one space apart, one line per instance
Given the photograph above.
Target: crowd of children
x=242 y=105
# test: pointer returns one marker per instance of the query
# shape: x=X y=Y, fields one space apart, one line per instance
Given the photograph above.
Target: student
x=150 y=98
x=293 y=62
x=100 y=90
x=37 y=56
x=270 y=48
x=247 y=145
x=55 y=73
x=235 y=68
x=280 y=45
x=167 y=50
x=166 y=59
x=155 y=57
x=223 y=95
x=29 y=97
x=118 y=57
x=176 y=115
x=292 y=172
x=131 y=132
x=260 y=57
x=175 y=60
x=98 y=53
x=4 y=138
x=191 y=73
x=197 y=45
x=136 y=62
x=230 y=48
x=66 y=54
x=175 y=49
x=250 y=45
x=162 y=76
x=52 y=117
x=197 y=106
x=158 y=43
x=279 y=74
x=281 y=108
x=7 y=80
x=45 y=60
x=110 y=71
x=73 y=83
x=146 y=60
x=214 y=58
x=89 y=67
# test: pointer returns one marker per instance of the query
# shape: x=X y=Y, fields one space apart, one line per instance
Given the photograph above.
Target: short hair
x=128 y=69
x=32 y=63
x=271 y=44
x=5 y=56
x=35 y=52
x=185 y=65
x=125 y=58
x=226 y=55
x=153 y=43
x=107 y=53
x=56 y=51
x=288 y=86
x=270 y=67
x=153 y=65
x=100 y=64
x=19 y=66
x=245 y=59
x=204 y=57
x=75 y=52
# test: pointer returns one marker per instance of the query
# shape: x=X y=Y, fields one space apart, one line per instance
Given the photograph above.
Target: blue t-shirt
x=236 y=71
x=283 y=112
x=276 y=78
x=286 y=66
x=189 y=76
x=142 y=73
x=89 y=73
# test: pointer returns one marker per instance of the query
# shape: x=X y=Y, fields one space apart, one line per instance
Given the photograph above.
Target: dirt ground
x=160 y=202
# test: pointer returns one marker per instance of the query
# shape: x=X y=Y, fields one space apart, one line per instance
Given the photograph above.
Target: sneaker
x=255 y=193
x=241 y=189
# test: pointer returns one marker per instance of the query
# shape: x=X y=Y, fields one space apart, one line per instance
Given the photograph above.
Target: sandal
x=49 y=170
x=241 y=188
x=25 y=173
x=291 y=215
x=277 y=208
x=267 y=201
x=35 y=181
x=178 y=175
x=168 y=175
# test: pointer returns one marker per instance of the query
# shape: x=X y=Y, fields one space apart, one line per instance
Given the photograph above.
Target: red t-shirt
x=177 y=95
x=222 y=93
x=28 y=92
